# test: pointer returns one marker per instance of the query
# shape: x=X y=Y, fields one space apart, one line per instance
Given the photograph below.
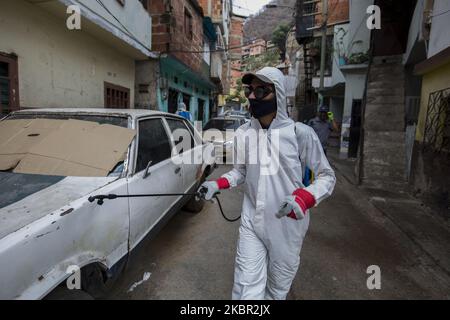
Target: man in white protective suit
x=275 y=215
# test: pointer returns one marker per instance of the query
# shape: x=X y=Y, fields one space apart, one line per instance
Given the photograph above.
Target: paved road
x=193 y=256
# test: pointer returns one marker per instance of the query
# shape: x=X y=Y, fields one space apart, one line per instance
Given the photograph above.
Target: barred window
x=437 y=126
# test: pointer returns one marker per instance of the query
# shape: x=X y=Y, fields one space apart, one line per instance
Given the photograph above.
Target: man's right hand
x=208 y=190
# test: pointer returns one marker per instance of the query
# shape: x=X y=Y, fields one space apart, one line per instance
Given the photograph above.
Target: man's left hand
x=296 y=205
x=289 y=207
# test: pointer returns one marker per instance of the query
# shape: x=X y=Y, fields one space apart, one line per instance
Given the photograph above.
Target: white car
x=48 y=226
x=224 y=144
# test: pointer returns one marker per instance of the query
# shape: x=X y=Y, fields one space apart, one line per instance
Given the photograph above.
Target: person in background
x=183 y=112
x=323 y=124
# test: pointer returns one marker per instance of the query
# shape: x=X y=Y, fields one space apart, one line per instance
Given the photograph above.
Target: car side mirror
x=147 y=173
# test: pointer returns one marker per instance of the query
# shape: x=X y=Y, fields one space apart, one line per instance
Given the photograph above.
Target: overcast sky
x=248 y=7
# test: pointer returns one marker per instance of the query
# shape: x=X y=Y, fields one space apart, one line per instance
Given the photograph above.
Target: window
x=188 y=28
x=116 y=97
x=437 y=126
x=9 y=91
x=154 y=144
x=222 y=125
x=182 y=135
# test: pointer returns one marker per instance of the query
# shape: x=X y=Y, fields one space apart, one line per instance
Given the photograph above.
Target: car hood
x=224 y=137
x=25 y=198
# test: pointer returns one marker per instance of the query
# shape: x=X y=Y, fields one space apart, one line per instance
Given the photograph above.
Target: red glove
x=223 y=183
x=295 y=206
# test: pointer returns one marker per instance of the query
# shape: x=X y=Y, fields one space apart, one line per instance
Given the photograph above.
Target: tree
x=238 y=93
x=279 y=37
x=269 y=58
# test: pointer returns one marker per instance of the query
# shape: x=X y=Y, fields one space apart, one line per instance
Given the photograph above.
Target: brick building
x=218 y=14
x=178 y=35
x=236 y=45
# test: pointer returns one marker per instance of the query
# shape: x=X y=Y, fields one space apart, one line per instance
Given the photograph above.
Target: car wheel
x=196 y=205
x=95 y=281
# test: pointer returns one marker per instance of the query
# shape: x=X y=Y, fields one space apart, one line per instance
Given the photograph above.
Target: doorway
x=173 y=101
x=355 y=129
x=201 y=109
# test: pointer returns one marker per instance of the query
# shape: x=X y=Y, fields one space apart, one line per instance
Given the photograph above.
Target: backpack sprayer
x=198 y=195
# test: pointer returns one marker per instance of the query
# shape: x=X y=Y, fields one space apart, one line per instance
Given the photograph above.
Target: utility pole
x=323 y=48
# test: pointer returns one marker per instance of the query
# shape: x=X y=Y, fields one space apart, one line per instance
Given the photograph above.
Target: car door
x=189 y=147
x=153 y=150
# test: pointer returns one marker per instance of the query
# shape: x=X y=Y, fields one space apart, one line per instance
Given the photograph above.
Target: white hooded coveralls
x=268 y=252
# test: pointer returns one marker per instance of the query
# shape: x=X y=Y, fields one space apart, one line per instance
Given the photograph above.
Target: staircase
x=384 y=154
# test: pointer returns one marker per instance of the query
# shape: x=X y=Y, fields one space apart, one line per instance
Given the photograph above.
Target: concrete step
x=385 y=107
x=387 y=59
x=386 y=76
x=385 y=137
x=391 y=160
x=384 y=112
x=383 y=125
x=392 y=69
x=381 y=172
x=385 y=92
x=386 y=99
x=386 y=66
x=388 y=184
x=386 y=84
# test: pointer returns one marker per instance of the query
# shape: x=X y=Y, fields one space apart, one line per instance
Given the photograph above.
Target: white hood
x=277 y=78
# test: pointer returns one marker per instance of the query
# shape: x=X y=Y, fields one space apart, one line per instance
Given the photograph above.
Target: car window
x=197 y=137
x=182 y=135
x=222 y=124
x=154 y=144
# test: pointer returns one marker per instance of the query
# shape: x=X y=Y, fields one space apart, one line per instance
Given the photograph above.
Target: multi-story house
x=254 y=48
x=309 y=34
x=180 y=39
x=236 y=44
x=427 y=101
x=71 y=53
x=218 y=18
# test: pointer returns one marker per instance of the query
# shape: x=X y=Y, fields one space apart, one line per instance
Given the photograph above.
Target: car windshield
x=222 y=124
x=64 y=144
x=101 y=119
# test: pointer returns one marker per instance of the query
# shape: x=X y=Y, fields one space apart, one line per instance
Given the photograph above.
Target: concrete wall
x=147 y=79
x=340 y=42
x=439 y=37
x=58 y=67
x=359 y=34
x=132 y=15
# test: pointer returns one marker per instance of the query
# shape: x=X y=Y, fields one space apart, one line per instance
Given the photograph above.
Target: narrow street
x=193 y=255
x=107 y=106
